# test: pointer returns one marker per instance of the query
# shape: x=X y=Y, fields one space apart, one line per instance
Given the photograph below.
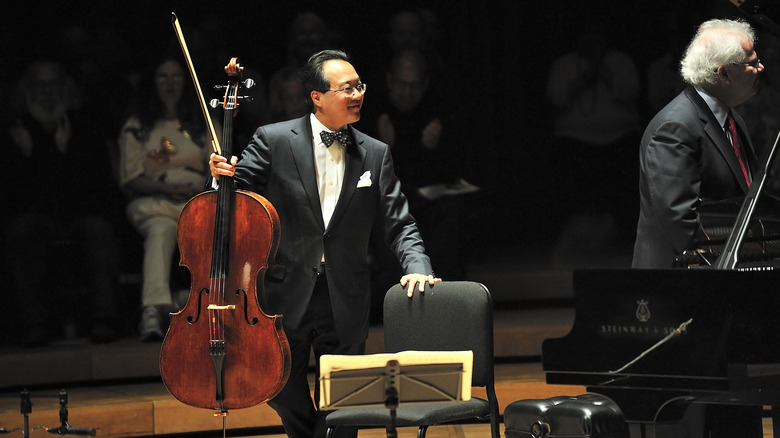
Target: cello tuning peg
x=246 y=98
x=214 y=103
x=249 y=83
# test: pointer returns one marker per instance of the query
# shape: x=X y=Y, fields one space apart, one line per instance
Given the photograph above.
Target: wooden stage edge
x=147 y=409
x=116 y=387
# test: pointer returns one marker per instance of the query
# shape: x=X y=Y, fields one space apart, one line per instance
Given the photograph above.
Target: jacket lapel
x=353 y=168
x=302 y=152
x=747 y=145
x=718 y=136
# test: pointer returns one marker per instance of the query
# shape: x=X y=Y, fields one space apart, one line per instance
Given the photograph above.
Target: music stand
x=391 y=379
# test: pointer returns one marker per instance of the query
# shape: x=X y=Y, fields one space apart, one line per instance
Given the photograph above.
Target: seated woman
x=164 y=147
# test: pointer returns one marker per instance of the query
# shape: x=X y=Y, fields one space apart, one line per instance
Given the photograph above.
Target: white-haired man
x=697 y=148
x=688 y=151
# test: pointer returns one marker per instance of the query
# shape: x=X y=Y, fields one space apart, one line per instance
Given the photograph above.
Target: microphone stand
x=392 y=369
x=63 y=429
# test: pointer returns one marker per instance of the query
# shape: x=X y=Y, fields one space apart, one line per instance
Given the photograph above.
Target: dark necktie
x=737 y=150
x=342 y=136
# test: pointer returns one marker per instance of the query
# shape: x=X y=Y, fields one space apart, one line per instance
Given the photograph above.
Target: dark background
x=498 y=52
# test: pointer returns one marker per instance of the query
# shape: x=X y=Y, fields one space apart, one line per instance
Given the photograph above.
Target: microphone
x=67 y=429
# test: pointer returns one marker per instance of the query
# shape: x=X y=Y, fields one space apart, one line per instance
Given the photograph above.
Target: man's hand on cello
x=218 y=165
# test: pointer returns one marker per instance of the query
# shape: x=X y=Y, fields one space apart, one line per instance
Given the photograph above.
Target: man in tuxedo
x=329 y=183
x=687 y=151
x=692 y=150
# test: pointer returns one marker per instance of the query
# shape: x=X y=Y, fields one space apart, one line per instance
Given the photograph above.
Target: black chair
x=450 y=316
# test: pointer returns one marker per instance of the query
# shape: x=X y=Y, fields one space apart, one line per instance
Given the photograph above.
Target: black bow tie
x=342 y=136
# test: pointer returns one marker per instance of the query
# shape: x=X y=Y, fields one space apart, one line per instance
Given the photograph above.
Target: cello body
x=256 y=357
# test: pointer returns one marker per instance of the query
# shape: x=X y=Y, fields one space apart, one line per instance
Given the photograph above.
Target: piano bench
x=586 y=415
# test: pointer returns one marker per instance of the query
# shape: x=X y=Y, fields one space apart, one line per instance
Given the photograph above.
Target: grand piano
x=657 y=341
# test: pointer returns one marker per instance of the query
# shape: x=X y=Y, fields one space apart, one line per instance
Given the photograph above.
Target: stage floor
x=116 y=387
x=146 y=408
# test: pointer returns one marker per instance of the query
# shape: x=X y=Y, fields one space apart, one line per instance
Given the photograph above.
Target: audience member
x=419 y=130
x=291 y=101
x=308 y=34
x=594 y=91
x=164 y=148
x=59 y=210
x=407 y=29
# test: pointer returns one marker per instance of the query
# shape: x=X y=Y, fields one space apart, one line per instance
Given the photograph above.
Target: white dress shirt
x=329 y=165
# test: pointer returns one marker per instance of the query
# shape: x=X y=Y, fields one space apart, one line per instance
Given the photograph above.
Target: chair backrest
x=448 y=316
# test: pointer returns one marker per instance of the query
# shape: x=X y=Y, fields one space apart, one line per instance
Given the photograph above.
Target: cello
x=221 y=350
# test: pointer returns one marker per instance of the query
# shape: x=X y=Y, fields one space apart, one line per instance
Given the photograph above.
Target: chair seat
x=410 y=415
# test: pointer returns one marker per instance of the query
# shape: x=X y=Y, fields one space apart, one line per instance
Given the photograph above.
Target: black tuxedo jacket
x=685 y=156
x=279 y=165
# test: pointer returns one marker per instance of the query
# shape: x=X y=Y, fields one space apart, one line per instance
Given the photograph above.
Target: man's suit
x=684 y=157
x=279 y=165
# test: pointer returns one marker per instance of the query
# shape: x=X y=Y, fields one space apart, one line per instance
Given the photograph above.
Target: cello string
x=228 y=106
x=221 y=263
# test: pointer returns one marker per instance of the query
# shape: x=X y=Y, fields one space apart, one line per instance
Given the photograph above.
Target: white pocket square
x=365 y=179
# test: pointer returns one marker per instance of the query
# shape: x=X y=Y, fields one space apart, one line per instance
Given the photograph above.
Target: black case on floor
x=586 y=415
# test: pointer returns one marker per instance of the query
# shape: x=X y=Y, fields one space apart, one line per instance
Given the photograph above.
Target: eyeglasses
x=754 y=63
x=349 y=90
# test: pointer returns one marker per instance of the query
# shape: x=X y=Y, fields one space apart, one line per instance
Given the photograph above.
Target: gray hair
x=716 y=43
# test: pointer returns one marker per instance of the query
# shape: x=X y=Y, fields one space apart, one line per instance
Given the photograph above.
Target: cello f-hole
x=190 y=318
